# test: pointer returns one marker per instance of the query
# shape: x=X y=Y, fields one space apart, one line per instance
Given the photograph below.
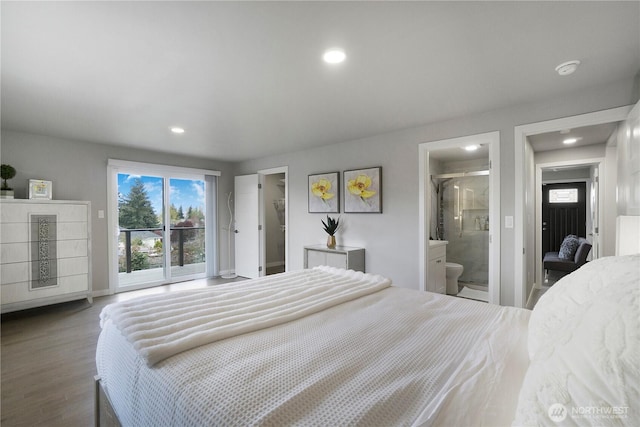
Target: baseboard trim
x=530 y=298
x=101 y=293
x=275 y=264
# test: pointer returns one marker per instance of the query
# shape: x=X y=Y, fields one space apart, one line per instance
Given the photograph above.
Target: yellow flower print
x=359 y=187
x=321 y=189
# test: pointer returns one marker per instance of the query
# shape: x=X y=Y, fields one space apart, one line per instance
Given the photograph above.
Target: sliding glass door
x=161 y=222
x=141 y=257
x=187 y=215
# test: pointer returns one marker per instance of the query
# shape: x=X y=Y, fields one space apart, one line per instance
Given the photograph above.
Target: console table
x=340 y=257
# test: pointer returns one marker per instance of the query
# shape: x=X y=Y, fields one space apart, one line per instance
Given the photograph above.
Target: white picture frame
x=40 y=189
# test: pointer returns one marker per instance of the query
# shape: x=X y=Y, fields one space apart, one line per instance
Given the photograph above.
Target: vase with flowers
x=330 y=227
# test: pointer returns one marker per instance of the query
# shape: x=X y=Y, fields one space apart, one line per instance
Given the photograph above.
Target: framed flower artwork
x=324 y=193
x=363 y=190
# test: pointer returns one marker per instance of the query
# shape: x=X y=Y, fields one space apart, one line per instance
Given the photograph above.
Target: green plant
x=139 y=261
x=7 y=172
x=331 y=226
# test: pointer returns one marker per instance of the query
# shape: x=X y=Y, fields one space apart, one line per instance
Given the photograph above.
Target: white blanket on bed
x=397 y=357
x=167 y=324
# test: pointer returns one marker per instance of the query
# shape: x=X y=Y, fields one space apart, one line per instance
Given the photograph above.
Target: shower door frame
x=492 y=139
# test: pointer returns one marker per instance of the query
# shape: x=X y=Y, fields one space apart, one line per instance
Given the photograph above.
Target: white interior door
x=247 y=222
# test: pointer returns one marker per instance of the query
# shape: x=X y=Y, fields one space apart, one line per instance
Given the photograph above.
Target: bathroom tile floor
x=474 y=294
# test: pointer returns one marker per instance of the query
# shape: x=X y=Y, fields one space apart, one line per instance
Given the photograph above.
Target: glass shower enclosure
x=462 y=218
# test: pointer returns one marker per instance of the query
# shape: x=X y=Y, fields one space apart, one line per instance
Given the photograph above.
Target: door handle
x=235 y=231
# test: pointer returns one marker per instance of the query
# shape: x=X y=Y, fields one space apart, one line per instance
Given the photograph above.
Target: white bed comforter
x=392 y=357
x=165 y=325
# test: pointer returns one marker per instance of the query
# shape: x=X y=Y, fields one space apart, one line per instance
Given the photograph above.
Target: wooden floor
x=48 y=360
x=549 y=281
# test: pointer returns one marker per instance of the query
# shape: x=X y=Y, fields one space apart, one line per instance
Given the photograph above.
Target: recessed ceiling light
x=570 y=141
x=177 y=130
x=567 y=68
x=334 y=56
x=471 y=147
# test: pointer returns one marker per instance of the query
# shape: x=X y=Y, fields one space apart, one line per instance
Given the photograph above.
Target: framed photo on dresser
x=40 y=189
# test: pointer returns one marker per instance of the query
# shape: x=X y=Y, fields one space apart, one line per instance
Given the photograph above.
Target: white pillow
x=584 y=339
x=587 y=372
x=567 y=298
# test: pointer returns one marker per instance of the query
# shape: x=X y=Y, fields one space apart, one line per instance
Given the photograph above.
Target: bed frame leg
x=96 y=380
x=105 y=416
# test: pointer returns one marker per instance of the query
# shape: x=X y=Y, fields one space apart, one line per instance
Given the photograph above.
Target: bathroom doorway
x=459 y=200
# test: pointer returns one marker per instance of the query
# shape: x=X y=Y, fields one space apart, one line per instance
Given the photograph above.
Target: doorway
x=261 y=206
x=460 y=197
x=528 y=183
x=274 y=205
x=564 y=212
x=162 y=218
x=583 y=176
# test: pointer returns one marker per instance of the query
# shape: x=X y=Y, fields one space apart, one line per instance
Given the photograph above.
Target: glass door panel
x=141 y=258
x=187 y=224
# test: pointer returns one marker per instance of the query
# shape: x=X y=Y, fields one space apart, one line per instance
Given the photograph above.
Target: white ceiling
x=587 y=135
x=245 y=79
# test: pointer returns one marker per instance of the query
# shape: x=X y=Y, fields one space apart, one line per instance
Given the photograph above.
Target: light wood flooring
x=538 y=292
x=48 y=360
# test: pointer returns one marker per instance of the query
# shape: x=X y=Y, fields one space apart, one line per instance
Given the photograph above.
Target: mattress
x=392 y=357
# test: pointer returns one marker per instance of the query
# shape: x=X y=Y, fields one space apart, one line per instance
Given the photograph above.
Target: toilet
x=453 y=272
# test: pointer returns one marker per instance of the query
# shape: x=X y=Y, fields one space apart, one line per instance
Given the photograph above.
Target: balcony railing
x=179 y=236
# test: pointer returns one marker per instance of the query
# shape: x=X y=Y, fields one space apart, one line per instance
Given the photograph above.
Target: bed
x=335 y=347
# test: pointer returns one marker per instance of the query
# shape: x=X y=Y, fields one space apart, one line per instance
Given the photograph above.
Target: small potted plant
x=331 y=226
x=6 y=172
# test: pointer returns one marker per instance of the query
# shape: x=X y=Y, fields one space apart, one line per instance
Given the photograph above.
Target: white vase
x=6 y=194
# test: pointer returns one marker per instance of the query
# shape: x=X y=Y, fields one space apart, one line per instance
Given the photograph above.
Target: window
x=563 y=195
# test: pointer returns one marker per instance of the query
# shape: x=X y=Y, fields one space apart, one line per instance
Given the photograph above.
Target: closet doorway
x=260 y=229
x=274 y=216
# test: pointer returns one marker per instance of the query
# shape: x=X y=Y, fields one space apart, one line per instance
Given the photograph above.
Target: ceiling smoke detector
x=567 y=68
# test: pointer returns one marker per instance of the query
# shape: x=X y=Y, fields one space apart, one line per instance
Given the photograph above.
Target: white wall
x=390 y=238
x=566 y=174
x=569 y=154
x=78 y=171
x=609 y=193
x=629 y=164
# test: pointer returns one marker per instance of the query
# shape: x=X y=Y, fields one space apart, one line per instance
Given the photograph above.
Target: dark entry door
x=564 y=212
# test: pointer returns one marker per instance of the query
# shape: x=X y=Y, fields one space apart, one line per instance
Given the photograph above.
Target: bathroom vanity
x=436 y=267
